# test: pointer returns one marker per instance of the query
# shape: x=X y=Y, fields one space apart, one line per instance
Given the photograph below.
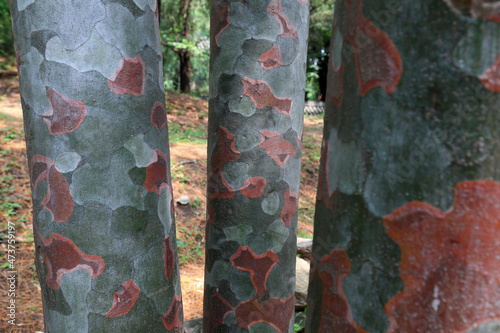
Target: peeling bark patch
x=377 y=60
x=253 y=187
x=324 y=191
x=486 y=9
x=168 y=258
x=303 y=2
x=220 y=19
x=65 y=114
x=274 y=311
x=156 y=13
x=272 y=58
x=290 y=207
x=159 y=115
x=491 y=78
x=259 y=266
x=19 y=62
x=62 y=256
x=157 y=173
x=335 y=89
x=288 y=30
x=226 y=150
x=129 y=77
x=171 y=319
x=219 y=309
x=449 y=261
x=261 y=95
x=218 y=187
x=276 y=147
x=58 y=200
x=124 y=301
x=335 y=310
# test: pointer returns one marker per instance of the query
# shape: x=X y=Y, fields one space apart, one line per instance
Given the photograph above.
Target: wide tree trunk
x=407 y=217
x=257 y=85
x=97 y=141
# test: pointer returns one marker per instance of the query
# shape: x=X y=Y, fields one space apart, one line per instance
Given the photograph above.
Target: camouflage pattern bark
x=407 y=211
x=95 y=121
x=257 y=85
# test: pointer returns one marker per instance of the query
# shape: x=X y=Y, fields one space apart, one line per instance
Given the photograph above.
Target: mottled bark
x=97 y=141
x=407 y=214
x=257 y=84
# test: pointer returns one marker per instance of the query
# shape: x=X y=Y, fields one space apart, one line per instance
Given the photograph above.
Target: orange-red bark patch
x=124 y=300
x=253 y=187
x=58 y=200
x=261 y=95
x=491 y=78
x=62 y=256
x=274 y=311
x=218 y=187
x=65 y=114
x=324 y=191
x=276 y=147
x=221 y=20
x=335 y=310
x=377 y=60
x=272 y=58
x=159 y=115
x=290 y=207
x=171 y=319
x=219 y=309
x=449 y=261
x=157 y=174
x=168 y=258
x=129 y=77
x=287 y=28
x=259 y=266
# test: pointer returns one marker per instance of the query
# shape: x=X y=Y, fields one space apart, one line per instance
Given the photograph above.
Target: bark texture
x=257 y=85
x=407 y=211
x=97 y=141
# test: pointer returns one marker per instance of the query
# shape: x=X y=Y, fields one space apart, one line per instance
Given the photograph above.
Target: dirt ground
x=187 y=118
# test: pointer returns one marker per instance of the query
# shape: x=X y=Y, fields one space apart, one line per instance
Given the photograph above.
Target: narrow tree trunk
x=97 y=142
x=257 y=85
x=184 y=54
x=407 y=217
x=185 y=71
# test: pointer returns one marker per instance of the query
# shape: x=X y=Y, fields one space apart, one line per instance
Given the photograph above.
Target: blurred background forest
x=185 y=30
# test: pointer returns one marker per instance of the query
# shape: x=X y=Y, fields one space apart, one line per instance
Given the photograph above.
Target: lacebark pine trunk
x=257 y=85
x=97 y=141
x=407 y=216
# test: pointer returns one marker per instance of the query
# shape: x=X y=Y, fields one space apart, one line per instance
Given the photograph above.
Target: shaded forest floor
x=187 y=118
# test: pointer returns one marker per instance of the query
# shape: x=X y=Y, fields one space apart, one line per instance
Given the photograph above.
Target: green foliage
x=179 y=34
x=320 y=27
x=6 y=37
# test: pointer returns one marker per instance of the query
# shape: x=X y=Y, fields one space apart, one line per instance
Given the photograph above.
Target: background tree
x=321 y=13
x=257 y=84
x=407 y=212
x=97 y=144
x=185 y=37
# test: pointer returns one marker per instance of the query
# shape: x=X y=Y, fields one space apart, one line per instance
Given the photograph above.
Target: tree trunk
x=406 y=222
x=97 y=143
x=185 y=71
x=257 y=87
x=184 y=54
